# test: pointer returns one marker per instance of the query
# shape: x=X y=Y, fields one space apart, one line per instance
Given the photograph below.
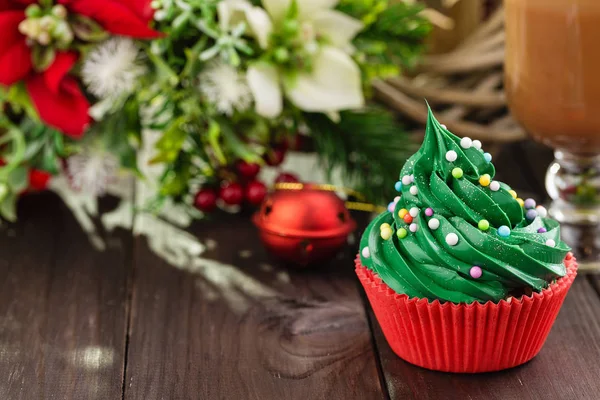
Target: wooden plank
x=236 y=325
x=566 y=368
x=62 y=307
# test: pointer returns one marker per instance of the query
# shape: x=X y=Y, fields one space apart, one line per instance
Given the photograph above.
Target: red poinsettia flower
x=55 y=94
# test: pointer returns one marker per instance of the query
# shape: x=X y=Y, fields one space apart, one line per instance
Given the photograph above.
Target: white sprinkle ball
x=541 y=211
x=414 y=212
x=414 y=191
x=550 y=243
x=433 y=223
x=412 y=178
x=444 y=126
x=396 y=199
x=413 y=227
x=451 y=156
x=366 y=253
x=406 y=180
x=495 y=186
x=477 y=144
x=466 y=143
x=452 y=239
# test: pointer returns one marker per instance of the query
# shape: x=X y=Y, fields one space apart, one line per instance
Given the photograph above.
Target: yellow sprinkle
x=484 y=180
x=521 y=202
x=386 y=233
x=513 y=194
x=402 y=212
x=385 y=226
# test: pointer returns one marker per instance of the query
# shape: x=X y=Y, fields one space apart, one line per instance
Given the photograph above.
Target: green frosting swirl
x=423 y=264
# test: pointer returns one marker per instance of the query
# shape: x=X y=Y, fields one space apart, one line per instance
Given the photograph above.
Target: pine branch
x=369 y=146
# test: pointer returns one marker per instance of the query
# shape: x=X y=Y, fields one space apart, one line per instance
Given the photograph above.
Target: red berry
x=247 y=170
x=275 y=157
x=206 y=200
x=285 y=177
x=232 y=193
x=256 y=192
x=38 y=180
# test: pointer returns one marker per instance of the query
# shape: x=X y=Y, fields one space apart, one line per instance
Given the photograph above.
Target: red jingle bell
x=305 y=226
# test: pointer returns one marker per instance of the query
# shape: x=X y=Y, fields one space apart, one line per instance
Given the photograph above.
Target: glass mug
x=552 y=79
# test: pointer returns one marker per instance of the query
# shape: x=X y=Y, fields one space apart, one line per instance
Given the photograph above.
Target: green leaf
x=8 y=207
x=18 y=179
x=87 y=29
x=42 y=57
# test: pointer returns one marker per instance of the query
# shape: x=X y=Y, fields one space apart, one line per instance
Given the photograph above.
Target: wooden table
x=76 y=323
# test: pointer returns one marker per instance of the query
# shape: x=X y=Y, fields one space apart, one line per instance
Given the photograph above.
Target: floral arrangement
x=214 y=89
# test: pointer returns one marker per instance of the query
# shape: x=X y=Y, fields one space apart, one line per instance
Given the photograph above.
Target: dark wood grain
x=566 y=368
x=237 y=325
x=62 y=307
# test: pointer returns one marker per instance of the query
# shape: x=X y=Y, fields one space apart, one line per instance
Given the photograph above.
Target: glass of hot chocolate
x=553 y=86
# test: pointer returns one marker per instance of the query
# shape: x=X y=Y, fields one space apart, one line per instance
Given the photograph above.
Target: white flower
x=112 y=68
x=234 y=12
x=92 y=170
x=334 y=83
x=225 y=87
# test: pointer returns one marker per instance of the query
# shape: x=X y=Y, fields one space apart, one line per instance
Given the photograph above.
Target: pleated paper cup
x=466 y=338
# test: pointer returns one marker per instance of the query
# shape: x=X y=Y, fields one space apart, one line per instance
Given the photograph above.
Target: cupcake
x=462 y=274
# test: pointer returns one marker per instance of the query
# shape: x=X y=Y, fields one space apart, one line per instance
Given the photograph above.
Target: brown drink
x=553 y=71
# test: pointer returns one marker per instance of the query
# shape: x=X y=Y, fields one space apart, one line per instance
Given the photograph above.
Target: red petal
x=61 y=66
x=121 y=17
x=14 y=4
x=15 y=56
x=66 y=109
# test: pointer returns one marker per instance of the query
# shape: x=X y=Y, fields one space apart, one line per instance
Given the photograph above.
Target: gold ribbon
x=361 y=205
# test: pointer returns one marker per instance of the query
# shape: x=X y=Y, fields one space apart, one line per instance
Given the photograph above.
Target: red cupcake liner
x=466 y=338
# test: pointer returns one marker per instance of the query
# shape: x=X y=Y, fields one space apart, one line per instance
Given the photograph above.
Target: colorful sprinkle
x=414 y=191
x=402 y=233
x=429 y=211
x=513 y=194
x=542 y=212
x=477 y=144
x=398 y=186
x=484 y=225
x=391 y=206
x=485 y=180
x=466 y=143
x=414 y=212
x=531 y=215
x=530 y=203
x=397 y=199
x=402 y=212
x=386 y=234
x=408 y=219
x=433 y=223
x=487 y=157
x=542 y=230
x=550 y=243
x=521 y=202
x=504 y=231
x=495 y=186
x=413 y=227
x=457 y=173
x=366 y=253
x=412 y=178
x=444 y=126
x=385 y=225
x=451 y=156
x=475 y=272
x=406 y=180
x=452 y=239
